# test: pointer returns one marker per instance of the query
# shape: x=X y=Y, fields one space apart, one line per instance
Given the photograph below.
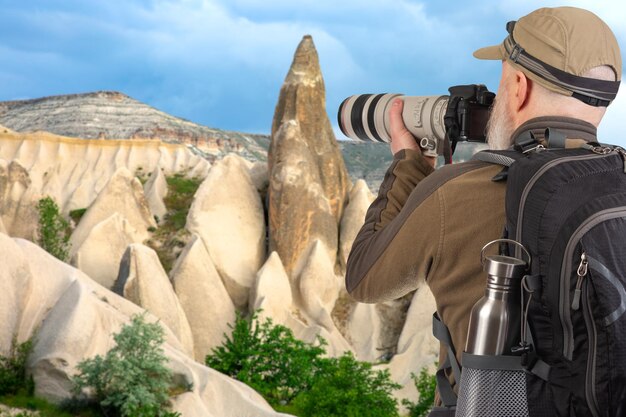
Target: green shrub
x=347 y=387
x=131 y=380
x=180 y=192
x=268 y=358
x=296 y=377
x=54 y=230
x=77 y=214
x=13 y=369
x=426 y=385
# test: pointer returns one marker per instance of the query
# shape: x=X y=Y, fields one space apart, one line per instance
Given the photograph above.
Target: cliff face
x=98 y=115
x=113 y=115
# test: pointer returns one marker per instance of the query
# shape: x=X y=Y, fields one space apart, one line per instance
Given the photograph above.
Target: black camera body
x=469 y=108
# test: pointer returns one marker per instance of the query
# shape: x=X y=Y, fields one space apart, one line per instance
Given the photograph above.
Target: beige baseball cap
x=556 y=46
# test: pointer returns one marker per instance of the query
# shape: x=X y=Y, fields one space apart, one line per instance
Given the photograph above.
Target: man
x=431 y=225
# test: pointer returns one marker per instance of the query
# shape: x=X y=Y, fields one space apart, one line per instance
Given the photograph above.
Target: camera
x=460 y=116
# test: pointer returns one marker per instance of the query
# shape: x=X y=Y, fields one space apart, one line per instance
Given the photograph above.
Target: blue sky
x=222 y=62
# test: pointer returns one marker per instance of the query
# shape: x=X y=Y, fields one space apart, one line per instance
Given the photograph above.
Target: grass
x=32 y=404
x=170 y=237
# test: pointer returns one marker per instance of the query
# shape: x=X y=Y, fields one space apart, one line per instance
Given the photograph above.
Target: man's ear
x=522 y=92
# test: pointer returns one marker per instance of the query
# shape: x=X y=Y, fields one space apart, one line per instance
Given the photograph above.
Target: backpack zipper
x=566 y=272
x=582 y=270
x=592 y=335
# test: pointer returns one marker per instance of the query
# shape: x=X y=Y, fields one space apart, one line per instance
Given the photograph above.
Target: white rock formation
x=74 y=171
x=364 y=330
x=353 y=218
x=76 y=318
x=118 y=216
x=272 y=291
x=143 y=281
x=2 y=228
x=18 y=203
x=259 y=174
x=417 y=347
x=203 y=297
x=101 y=251
x=318 y=284
x=228 y=215
x=123 y=194
x=155 y=190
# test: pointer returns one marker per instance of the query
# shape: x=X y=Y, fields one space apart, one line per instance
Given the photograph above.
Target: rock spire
x=307 y=172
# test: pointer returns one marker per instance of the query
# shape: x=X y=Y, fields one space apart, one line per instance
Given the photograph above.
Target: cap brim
x=489 y=52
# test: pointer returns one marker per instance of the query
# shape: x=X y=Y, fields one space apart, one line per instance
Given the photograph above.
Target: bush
x=13 y=369
x=131 y=380
x=347 y=387
x=426 y=385
x=297 y=377
x=54 y=230
x=268 y=358
x=77 y=214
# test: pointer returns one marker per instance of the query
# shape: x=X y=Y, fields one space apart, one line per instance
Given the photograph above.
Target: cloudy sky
x=221 y=62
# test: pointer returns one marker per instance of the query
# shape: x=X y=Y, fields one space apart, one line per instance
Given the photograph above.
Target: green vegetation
x=44 y=408
x=426 y=385
x=180 y=192
x=168 y=238
x=16 y=388
x=297 y=377
x=13 y=369
x=131 y=380
x=54 y=230
x=77 y=214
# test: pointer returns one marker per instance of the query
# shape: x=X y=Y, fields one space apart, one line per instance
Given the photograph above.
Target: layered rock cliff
x=97 y=116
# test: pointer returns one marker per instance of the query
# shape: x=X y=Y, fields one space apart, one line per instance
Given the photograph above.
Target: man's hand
x=401 y=138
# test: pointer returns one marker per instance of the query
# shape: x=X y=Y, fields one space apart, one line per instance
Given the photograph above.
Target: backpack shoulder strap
x=447 y=394
x=504 y=158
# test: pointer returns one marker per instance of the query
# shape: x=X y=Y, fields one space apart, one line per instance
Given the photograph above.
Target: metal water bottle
x=494 y=325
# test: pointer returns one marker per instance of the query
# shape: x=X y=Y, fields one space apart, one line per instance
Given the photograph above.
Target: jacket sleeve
x=400 y=240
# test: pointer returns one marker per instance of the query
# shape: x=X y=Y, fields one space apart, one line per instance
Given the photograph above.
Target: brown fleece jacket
x=431 y=226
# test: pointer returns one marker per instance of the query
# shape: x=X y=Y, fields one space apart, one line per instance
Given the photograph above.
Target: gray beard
x=500 y=125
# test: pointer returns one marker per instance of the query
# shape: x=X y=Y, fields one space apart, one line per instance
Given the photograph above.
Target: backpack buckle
x=527 y=143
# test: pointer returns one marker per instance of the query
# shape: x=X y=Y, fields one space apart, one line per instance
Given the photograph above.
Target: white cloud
x=612 y=12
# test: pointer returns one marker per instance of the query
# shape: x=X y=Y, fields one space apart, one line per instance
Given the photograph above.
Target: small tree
x=131 y=380
x=298 y=377
x=268 y=358
x=426 y=385
x=350 y=388
x=54 y=230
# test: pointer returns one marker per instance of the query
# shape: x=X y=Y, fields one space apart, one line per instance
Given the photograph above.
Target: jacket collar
x=572 y=128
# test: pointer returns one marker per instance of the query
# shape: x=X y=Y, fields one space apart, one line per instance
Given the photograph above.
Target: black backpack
x=567 y=207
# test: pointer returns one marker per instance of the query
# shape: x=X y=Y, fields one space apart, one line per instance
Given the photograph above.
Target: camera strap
x=452 y=128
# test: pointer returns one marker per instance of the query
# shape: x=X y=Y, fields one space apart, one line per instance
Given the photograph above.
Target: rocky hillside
x=113 y=115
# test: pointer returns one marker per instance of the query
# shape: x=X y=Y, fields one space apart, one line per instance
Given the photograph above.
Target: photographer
x=428 y=225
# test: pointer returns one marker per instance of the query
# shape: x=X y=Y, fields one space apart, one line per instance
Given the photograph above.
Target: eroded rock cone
x=308 y=177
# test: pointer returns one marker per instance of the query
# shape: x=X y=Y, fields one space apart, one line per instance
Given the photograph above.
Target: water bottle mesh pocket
x=492 y=393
